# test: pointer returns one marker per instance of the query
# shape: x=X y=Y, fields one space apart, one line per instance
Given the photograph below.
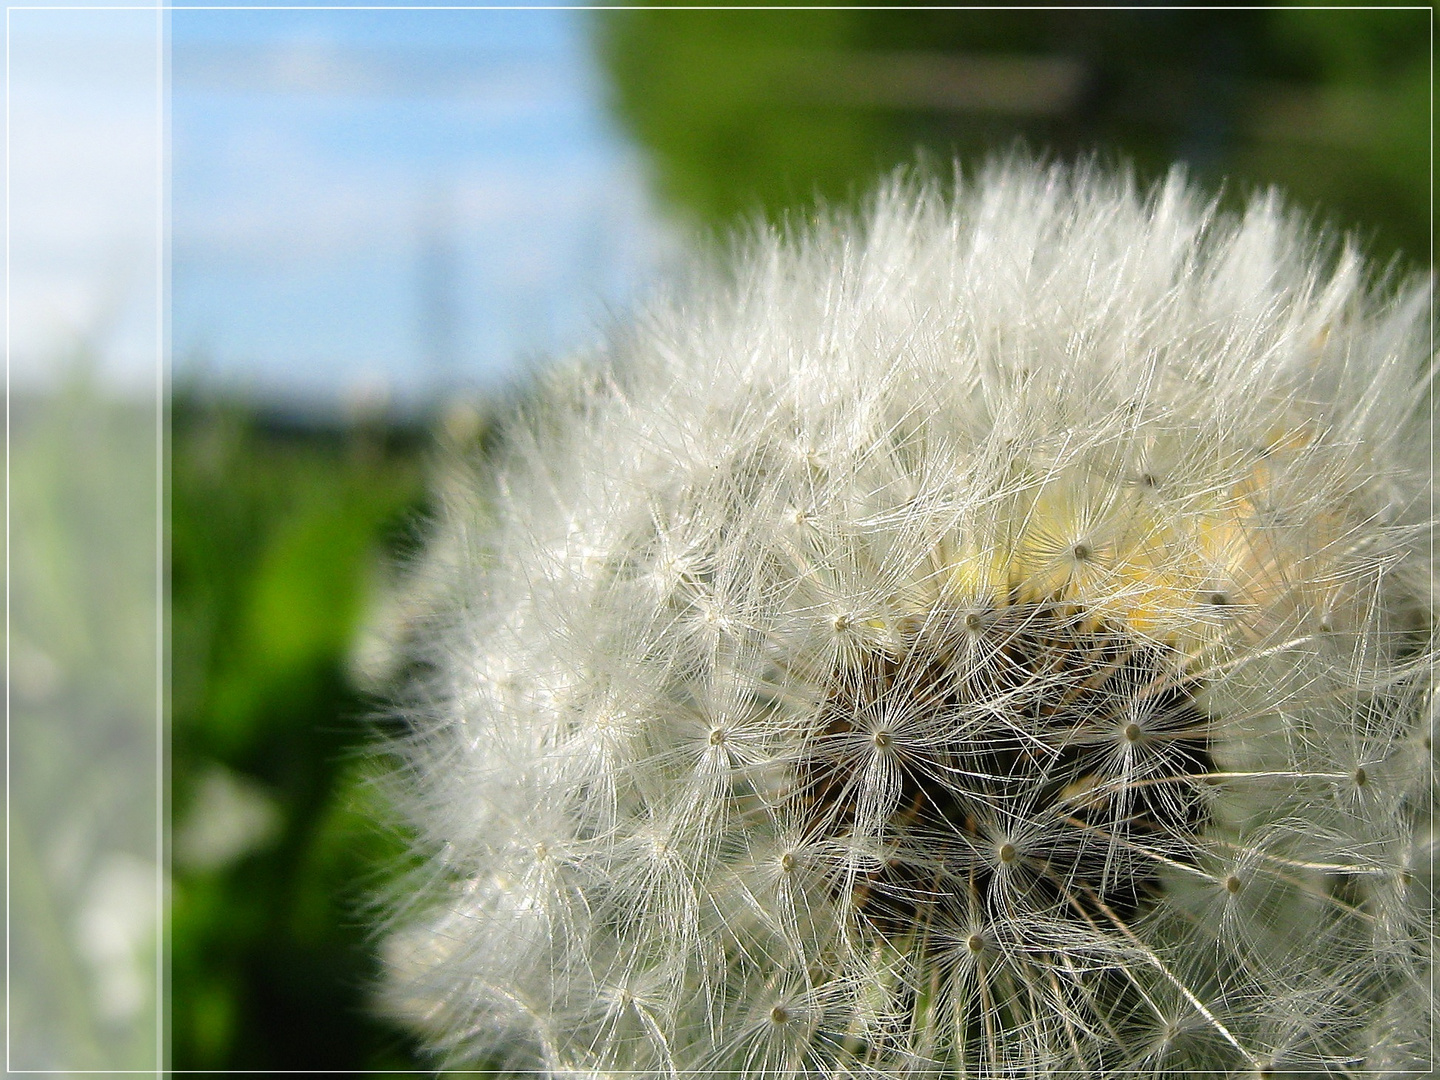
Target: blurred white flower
x=988 y=636
x=115 y=935
x=230 y=816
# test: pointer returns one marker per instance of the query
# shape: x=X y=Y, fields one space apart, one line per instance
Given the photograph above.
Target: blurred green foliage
x=81 y=738
x=746 y=111
x=276 y=537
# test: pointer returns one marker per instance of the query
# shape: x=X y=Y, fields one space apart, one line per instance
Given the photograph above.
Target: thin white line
x=1087 y=1073
x=1434 y=1049
x=9 y=816
x=162 y=778
x=725 y=7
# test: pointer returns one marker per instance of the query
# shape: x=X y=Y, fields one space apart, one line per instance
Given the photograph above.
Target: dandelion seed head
x=989 y=635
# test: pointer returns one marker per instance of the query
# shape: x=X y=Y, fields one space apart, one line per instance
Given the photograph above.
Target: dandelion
x=989 y=636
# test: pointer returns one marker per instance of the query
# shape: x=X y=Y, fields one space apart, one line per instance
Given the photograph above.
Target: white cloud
x=508 y=84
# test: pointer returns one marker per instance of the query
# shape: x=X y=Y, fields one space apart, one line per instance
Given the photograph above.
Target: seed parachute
x=991 y=634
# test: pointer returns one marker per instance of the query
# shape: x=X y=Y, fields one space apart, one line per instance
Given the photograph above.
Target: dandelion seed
x=992 y=636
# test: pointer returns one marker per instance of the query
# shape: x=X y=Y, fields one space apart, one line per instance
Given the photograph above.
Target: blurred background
x=381 y=222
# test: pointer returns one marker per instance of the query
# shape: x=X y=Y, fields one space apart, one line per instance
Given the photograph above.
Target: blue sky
x=393 y=203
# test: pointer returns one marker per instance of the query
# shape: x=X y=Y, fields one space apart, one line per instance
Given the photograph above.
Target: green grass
x=278 y=536
x=746 y=113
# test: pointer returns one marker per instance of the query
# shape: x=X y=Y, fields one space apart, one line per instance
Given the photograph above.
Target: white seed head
x=988 y=636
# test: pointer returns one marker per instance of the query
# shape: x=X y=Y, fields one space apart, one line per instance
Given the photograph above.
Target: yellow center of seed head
x=1007 y=853
x=1151 y=579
